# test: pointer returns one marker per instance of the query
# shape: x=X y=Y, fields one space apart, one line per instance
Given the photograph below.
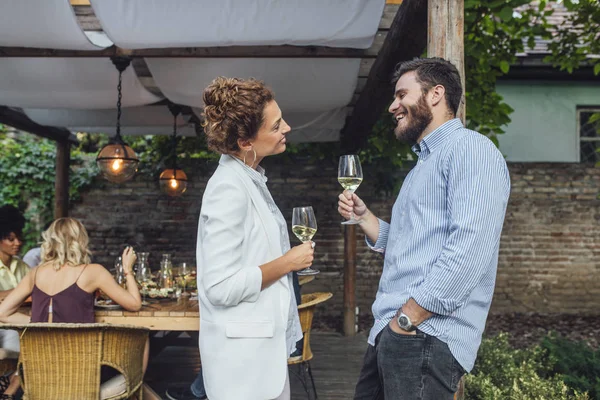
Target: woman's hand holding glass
x=301 y=257
x=304 y=226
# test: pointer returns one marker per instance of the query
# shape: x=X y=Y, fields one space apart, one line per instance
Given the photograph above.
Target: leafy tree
x=578 y=37
x=27 y=166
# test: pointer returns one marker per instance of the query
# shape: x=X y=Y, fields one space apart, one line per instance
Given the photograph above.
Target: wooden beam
x=61 y=184
x=405 y=40
x=284 y=51
x=349 y=280
x=446 y=22
x=20 y=121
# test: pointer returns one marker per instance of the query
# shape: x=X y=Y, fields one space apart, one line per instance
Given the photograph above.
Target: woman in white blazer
x=248 y=316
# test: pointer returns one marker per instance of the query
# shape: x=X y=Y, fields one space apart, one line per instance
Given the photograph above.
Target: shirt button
x=420 y=161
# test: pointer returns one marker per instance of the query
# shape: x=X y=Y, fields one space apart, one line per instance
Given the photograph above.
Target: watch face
x=403 y=322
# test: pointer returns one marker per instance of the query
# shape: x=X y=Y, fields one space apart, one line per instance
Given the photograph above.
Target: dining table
x=180 y=314
x=175 y=315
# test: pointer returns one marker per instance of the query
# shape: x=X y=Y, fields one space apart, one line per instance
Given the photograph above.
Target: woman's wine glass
x=350 y=177
x=304 y=226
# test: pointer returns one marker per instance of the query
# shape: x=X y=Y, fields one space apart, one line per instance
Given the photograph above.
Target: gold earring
x=253 y=161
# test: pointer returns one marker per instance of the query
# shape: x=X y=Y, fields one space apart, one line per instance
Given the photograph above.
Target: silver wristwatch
x=405 y=323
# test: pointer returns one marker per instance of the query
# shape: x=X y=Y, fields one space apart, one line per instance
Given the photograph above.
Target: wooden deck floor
x=336 y=365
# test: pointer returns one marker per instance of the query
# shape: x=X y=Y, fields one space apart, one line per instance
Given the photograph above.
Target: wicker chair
x=306 y=309
x=62 y=361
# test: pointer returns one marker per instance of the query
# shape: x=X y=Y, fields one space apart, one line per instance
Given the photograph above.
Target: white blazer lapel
x=266 y=218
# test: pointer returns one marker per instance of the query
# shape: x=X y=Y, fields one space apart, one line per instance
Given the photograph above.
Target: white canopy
x=49 y=24
x=148 y=120
x=138 y=24
x=79 y=93
x=300 y=84
x=78 y=83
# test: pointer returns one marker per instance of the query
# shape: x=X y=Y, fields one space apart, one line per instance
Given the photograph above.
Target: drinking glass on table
x=185 y=272
x=350 y=177
x=304 y=226
x=143 y=275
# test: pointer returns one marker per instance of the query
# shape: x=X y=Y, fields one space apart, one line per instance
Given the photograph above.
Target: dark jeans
x=408 y=367
x=197 y=386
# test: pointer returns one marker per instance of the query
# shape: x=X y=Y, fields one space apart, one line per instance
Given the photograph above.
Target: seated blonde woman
x=62 y=287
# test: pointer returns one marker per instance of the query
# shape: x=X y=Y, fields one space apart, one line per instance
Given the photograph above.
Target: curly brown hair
x=233 y=109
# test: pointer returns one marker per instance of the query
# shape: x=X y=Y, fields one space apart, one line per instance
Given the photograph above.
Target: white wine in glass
x=304 y=226
x=350 y=176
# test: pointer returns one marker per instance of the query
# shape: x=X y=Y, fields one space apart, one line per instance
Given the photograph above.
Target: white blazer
x=242 y=329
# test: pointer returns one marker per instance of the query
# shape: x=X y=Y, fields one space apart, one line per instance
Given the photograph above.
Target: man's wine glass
x=350 y=177
x=304 y=226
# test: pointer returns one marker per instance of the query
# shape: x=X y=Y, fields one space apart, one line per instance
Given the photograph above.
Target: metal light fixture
x=173 y=181
x=117 y=161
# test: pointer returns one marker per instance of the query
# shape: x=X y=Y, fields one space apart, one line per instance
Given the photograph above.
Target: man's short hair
x=431 y=72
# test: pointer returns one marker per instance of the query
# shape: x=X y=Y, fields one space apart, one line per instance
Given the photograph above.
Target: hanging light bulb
x=173 y=181
x=117 y=161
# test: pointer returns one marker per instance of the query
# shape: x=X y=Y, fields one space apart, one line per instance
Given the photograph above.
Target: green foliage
x=27 y=165
x=578 y=37
x=502 y=372
x=576 y=362
x=494 y=34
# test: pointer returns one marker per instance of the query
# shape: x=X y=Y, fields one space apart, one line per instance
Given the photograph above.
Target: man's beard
x=420 y=117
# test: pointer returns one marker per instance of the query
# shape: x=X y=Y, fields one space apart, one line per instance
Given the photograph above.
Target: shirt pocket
x=247 y=329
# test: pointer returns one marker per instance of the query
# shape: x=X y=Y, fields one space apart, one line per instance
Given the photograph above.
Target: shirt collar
x=434 y=139
x=257 y=175
x=12 y=266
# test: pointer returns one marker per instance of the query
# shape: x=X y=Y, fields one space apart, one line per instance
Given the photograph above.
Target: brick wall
x=549 y=257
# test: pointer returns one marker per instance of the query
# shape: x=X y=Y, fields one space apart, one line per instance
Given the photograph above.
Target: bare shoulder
x=95 y=268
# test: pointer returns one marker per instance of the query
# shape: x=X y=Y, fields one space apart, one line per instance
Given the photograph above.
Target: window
x=589 y=134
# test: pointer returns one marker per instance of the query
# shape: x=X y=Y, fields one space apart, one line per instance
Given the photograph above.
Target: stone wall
x=550 y=249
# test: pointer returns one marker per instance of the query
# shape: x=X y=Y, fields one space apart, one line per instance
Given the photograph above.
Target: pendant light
x=173 y=181
x=117 y=161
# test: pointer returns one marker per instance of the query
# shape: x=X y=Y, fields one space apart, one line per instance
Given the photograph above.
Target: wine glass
x=184 y=273
x=350 y=177
x=304 y=226
x=144 y=278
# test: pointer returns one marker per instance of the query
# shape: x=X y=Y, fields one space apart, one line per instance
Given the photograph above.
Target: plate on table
x=107 y=304
x=158 y=294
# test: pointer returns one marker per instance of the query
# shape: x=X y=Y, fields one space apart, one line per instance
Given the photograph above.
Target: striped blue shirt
x=441 y=246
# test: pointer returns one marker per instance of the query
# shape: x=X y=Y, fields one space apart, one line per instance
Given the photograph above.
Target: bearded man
x=441 y=245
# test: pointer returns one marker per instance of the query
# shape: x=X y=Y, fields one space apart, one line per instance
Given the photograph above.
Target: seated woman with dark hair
x=12 y=270
x=62 y=287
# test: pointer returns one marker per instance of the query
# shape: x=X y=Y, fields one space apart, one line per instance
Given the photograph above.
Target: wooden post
x=446 y=37
x=445 y=27
x=350 y=280
x=61 y=185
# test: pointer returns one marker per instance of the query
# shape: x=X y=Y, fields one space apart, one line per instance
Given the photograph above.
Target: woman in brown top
x=62 y=287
